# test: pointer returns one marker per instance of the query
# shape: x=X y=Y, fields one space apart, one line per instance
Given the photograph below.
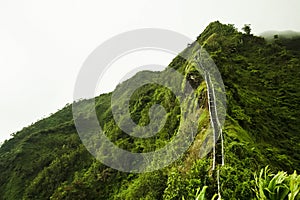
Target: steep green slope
x=47 y=159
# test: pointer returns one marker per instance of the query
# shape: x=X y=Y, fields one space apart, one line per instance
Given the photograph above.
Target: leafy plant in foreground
x=278 y=186
x=200 y=195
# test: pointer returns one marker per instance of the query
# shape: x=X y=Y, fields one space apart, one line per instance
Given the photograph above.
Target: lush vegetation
x=48 y=161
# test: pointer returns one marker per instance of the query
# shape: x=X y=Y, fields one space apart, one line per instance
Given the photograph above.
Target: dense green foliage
x=48 y=161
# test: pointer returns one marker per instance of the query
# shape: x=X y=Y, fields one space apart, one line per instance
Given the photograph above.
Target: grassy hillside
x=47 y=160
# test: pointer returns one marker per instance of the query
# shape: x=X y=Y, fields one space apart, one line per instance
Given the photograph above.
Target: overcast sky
x=44 y=43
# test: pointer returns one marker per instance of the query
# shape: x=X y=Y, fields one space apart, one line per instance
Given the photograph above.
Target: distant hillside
x=281 y=34
x=47 y=160
x=289 y=39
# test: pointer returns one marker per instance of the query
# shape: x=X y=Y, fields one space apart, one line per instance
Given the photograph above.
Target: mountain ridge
x=48 y=160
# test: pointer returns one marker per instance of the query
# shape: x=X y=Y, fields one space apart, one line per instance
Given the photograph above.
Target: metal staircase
x=218 y=143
